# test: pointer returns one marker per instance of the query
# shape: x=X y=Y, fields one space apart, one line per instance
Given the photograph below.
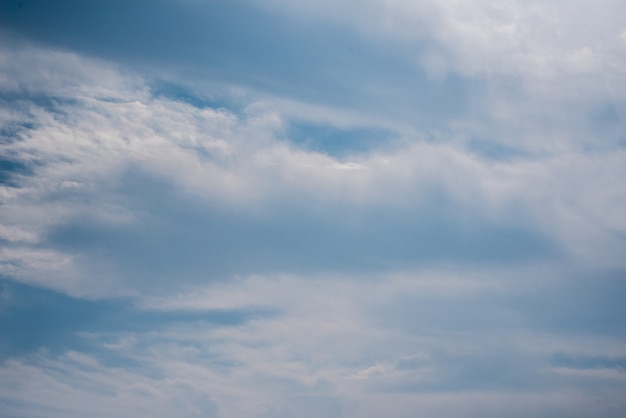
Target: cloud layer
x=330 y=209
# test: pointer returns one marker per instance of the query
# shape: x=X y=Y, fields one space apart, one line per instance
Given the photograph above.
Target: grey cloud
x=180 y=239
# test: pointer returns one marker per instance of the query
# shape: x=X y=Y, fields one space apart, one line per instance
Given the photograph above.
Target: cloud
x=125 y=181
x=335 y=348
x=488 y=37
x=529 y=76
x=311 y=209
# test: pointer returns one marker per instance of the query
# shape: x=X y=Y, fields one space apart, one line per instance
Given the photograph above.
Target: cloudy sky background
x=312 y=209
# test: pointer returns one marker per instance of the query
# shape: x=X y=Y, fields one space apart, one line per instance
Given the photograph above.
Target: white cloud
x=81 y=148
x=107 y=155
x=330 y=349
x=544 y=76
x=485 y=37
x=17 y=234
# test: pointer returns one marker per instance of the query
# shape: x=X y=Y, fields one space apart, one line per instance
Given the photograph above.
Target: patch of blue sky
x=10 y=131
x=25 y=102
x=240 y=43
x=339 y=142
x=582 y=309
x=185 y=94
x=608 y=119
x=33 y=318
x=591 y=305
x=588 y=361
x=494 y=150
x=13 y=165
x=10 y=168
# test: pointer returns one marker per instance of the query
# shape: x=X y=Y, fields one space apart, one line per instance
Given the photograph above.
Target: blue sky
x=346 y=209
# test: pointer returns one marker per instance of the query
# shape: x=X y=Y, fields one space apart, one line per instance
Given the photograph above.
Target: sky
x=287 y=208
